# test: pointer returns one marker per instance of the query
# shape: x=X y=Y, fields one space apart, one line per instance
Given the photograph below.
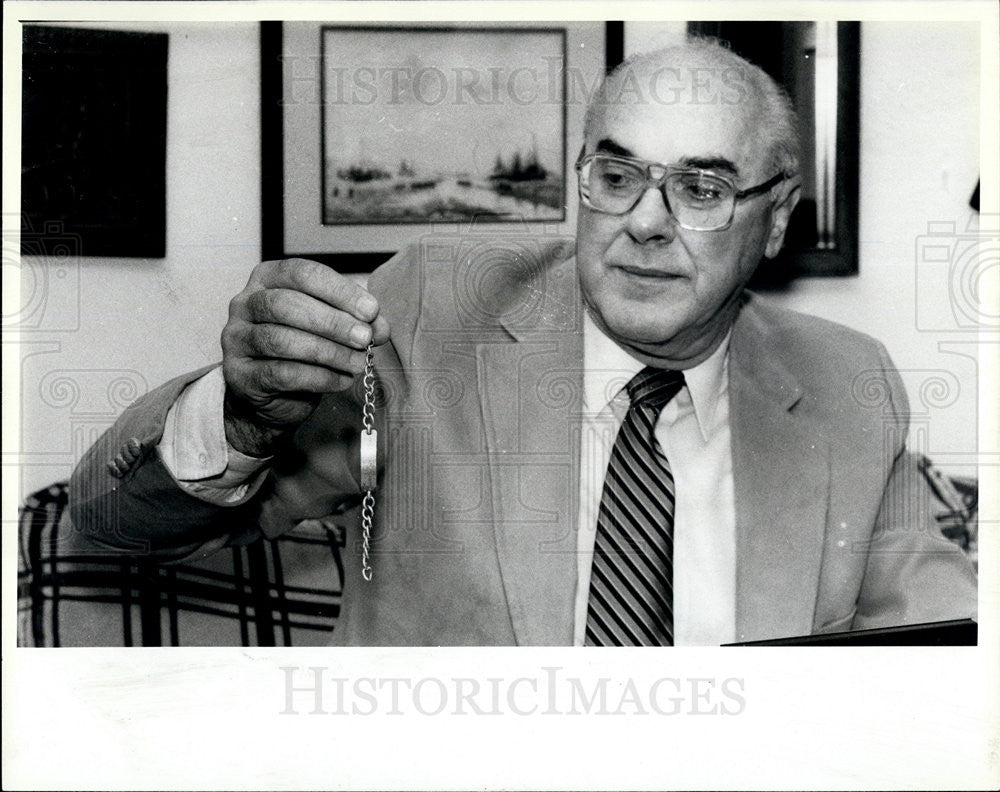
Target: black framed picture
x=374 y=134
x=93 y=150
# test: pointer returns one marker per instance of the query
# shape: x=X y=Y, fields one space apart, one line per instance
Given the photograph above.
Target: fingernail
x=368 y=305
x=360 y=335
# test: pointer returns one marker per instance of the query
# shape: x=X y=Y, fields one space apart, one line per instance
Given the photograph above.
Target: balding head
x=700 y=72
x=660 y=286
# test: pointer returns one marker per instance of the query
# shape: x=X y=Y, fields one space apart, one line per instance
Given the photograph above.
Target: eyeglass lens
x=697 y=200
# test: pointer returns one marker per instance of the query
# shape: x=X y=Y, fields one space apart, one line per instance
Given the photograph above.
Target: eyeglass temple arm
x=778 y=177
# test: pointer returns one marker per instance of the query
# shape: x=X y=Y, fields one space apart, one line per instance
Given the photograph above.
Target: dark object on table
x=960 y=632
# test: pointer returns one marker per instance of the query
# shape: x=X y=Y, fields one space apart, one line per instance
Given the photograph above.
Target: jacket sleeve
x=122 y=497
x=913 y=574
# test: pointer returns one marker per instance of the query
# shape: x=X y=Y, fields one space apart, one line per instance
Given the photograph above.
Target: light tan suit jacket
x=475 y=535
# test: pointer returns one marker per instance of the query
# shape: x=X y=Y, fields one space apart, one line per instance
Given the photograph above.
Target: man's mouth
x=647 y=271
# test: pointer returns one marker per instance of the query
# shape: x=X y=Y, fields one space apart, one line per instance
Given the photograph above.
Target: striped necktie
x=631 y=584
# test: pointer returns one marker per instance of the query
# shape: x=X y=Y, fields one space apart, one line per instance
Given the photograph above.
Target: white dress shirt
x=693 y=431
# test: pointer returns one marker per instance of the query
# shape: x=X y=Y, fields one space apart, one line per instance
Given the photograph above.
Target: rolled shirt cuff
x=195 y=451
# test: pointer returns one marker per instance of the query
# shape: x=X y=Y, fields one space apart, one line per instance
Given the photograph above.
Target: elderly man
x=616 y=447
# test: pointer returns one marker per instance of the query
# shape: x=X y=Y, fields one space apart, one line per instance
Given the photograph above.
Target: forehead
x=682 y=110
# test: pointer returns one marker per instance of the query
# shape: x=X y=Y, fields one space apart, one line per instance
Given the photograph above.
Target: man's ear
x=791 y=189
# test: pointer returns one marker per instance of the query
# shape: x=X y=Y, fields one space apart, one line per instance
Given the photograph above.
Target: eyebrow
x=706 y=163
x=609 y=146
x=711 y=163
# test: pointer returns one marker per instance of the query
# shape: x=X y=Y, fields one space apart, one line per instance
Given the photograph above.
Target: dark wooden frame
x=843 y=259
x=272 y=148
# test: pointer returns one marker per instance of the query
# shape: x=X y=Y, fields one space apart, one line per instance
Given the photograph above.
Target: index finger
x=321 y=282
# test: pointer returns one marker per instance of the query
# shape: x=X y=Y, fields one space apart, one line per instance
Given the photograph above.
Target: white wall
x=919 y=164
x=113 y=328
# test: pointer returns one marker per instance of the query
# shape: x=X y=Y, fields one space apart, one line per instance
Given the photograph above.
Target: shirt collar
x=607 y=367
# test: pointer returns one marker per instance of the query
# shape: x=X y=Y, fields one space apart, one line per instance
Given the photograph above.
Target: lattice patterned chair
x=281 y=592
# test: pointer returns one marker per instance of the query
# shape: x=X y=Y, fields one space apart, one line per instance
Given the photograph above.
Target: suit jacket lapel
x=531 y=391
x=531 y=397
x=781 y=474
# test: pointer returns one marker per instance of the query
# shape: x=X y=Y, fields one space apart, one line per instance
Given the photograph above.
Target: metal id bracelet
x=369 y=464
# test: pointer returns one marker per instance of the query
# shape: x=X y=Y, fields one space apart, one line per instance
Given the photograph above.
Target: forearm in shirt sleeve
x=195 y=452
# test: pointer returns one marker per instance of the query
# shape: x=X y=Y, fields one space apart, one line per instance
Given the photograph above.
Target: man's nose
x=650 y=220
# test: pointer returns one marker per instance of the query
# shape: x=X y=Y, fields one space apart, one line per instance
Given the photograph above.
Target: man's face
x=652 y=285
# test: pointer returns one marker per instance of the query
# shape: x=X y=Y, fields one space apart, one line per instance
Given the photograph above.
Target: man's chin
x=634 y=329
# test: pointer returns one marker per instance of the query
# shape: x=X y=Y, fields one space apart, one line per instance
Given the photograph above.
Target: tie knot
x=653 y=387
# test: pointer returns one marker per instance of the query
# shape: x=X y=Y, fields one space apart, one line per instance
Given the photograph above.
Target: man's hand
x=296 y=331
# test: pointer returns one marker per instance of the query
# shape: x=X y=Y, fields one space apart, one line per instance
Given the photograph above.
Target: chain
x=369 y=468
x=367 y=512
x=369 y=383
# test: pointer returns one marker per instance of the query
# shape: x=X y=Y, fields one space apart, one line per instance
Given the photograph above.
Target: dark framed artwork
x=818 y=64
x=373 y=135
x=390 y=155
x=93 y=142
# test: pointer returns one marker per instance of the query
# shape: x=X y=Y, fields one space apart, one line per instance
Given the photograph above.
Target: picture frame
x=545 y=72
x=818 y=64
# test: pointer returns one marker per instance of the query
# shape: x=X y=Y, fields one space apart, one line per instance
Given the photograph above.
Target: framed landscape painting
x=376 y=134
x=418 y=125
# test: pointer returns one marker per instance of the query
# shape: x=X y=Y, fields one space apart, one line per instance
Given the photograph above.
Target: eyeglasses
x=699 y=200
